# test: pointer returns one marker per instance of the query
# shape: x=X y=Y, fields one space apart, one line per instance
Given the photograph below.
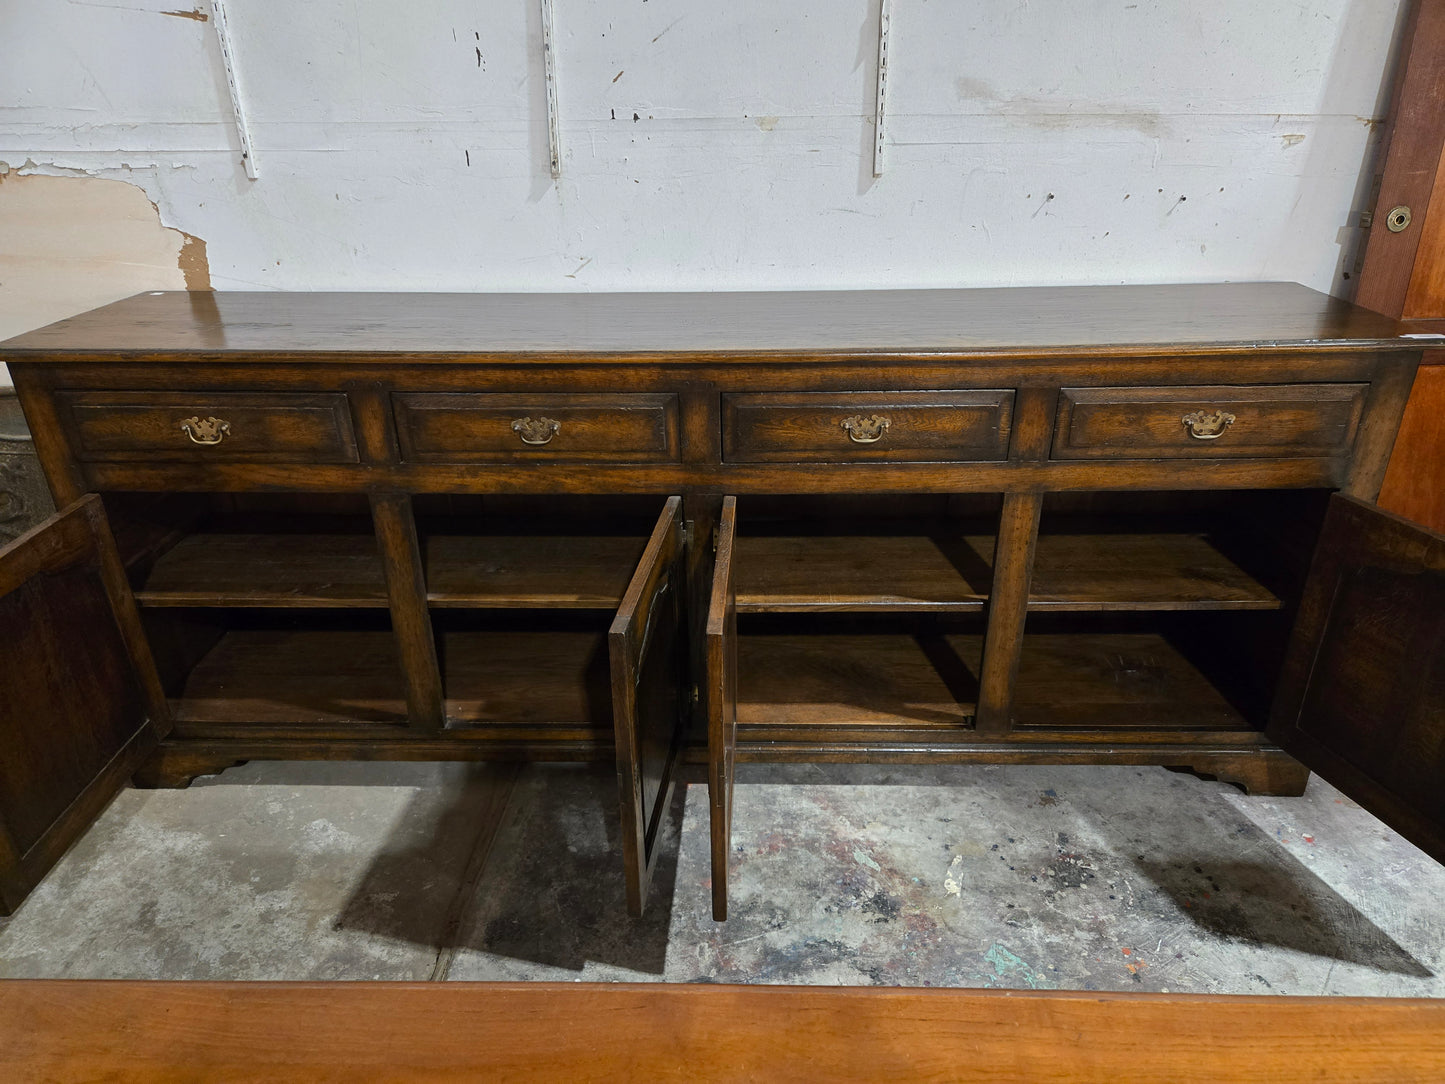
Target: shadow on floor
x=551 y=891
x=1279 y=903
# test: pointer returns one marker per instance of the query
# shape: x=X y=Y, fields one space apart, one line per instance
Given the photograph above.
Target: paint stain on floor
x=1028 y=877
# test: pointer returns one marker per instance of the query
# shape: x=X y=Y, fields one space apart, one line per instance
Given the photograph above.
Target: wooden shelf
x=1102 y=572
x=524 y=685
x=345 y=571
x=937 y=573
x=530 y=571
x=812 y=685
x=529 y=678
x=268 y=571
x=809 y=573
x=295 y=677
x=1115 y=681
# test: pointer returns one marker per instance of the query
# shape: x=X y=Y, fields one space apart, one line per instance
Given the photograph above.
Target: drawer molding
x=490 y=427
x=843 y=427
x=1279 y=421
x=210 y=426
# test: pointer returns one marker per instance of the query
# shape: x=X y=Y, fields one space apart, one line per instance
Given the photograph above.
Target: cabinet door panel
x=80 y=703
x=1362 y=696
x=647 y=648
x=722 y=703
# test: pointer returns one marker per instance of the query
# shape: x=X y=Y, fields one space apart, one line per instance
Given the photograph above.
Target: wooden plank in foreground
x=129 y=1031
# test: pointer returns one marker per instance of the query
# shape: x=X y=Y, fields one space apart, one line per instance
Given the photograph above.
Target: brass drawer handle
x=536 y=431
x=206 y=430
x=1207 y=425
x=863 y=430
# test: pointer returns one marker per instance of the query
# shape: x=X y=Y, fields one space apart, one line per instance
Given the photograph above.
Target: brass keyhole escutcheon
x=536 y=430
x=206 y=430
x=1398 y=220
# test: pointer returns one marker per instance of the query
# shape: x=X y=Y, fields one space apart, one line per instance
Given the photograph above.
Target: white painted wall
x=403 y=146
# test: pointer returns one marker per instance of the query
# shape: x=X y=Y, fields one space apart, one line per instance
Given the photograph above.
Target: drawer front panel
x=1220 y=422
x=842 y=427
x=253 y=427
x=435 y=427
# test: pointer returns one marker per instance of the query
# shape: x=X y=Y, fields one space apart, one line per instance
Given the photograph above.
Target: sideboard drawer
x=251 y=427
x=438 y=427
x=1220 y=422
x=840 y=427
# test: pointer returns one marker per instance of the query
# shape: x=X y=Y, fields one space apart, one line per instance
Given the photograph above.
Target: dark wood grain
x=52 y=445
x=917 y=427
x=1147 y=423
x=538 y=684
x=1126 y=571
x=263 y=426
x=1362 y=698
x=1019 y=322
x=721 y=670
x=267 y=570
x=649 y=705
x=396 y=541
x=738 y=478
x=808 y=685
x=550 y=685
x=1113 y=680
x=1384 y=405
x=932 y=572
x=542 y=1032
x=82 y=703
x=1013 y=563
x=529 y=570
x=449 y=428
x=809 y=573
x=295 y=677
x=345 y=570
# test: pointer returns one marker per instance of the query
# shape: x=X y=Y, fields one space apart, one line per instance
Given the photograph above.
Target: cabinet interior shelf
x=803 y=685
x=941 y=573
x=508 y=684
x=1117 y=681
x=776 y=573
x=271 y=571
x=835 y=687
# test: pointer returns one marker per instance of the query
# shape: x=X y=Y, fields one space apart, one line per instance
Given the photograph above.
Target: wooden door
x=722 y=703
x=80 y=702
x=1362 y=696
x=648 y=650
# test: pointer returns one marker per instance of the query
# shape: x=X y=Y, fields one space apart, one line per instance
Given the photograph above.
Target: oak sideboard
x=1114 y=525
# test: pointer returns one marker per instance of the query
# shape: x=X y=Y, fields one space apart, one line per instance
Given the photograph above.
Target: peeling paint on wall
x=192 y=262
x=405 y=144
x=70 y=243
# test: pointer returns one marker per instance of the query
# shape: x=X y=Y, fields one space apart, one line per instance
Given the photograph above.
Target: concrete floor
x=1042 y=877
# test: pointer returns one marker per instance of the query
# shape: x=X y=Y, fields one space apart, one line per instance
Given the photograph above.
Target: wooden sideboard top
x=1006 y=322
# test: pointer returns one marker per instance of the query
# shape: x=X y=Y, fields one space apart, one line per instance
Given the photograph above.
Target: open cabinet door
x=649 y=662
x=1362 y=695
x=80 y=702
x=722 y=703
